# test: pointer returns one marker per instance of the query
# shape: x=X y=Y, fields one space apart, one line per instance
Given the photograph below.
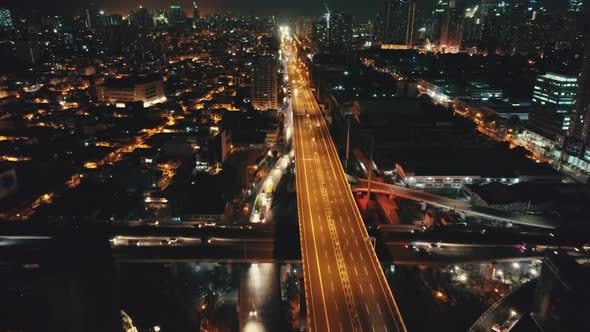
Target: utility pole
x=370 y=168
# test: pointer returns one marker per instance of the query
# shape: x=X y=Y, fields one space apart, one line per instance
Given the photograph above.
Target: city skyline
x=365 y=9
x=290 y=166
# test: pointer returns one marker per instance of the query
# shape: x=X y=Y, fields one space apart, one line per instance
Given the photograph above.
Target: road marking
x=379 y=308
x=356 y=241
x=329 y=270
x=354 y=208
x=366 y=272
x=367 y=307
x=361 y=288
x=355 y=271
x=373 y=326
x=372 y=290
x=332 y=283
x=304 y=180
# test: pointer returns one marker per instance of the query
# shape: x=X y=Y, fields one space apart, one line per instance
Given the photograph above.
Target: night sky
x=361 y=8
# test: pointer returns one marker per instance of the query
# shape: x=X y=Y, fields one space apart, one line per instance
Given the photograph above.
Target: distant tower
x=451 y=29
x=196 y=12
x=394 y=23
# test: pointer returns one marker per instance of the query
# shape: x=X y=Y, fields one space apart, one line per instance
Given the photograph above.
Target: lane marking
x=308 y=198
x=373 y=257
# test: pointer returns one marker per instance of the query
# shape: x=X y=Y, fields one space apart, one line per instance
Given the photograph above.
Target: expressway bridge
x=454 y=204
x=25 y=244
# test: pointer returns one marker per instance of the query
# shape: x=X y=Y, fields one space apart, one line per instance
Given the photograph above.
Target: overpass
x=454 y=204
x=23 y=243
x=346 y=288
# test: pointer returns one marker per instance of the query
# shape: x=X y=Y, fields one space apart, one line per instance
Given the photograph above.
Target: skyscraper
x=176 y=16
x=440 y=9
x=28 y=51
x=581 y=129
x=394 y=23
x=339 y=30
x=141 y=19
x=320 y=33
x=95 y=19
x=264 y=84
x=196 y=12
x=451 y=28
x=5 y=19
x=304 y=27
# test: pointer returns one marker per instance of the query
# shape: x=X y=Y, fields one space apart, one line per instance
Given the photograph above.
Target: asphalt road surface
x=346 y=289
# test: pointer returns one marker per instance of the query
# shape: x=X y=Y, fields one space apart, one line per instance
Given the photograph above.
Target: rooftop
x=130 y=81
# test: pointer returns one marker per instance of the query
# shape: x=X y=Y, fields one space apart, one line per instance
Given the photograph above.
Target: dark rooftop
x=130 y=81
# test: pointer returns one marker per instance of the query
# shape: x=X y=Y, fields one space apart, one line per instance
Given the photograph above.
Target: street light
x=347 y=115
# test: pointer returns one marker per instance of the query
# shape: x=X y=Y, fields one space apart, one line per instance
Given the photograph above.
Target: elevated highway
x=454 y=204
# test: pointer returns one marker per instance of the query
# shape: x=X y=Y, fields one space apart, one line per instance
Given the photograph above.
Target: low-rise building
x=148 y=89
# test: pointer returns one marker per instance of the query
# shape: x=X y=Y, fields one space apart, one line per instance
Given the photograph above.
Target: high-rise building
x=581 y=128
x=5 y=19
x=451 y=28
x=439 y=10
x=196 y=15
x=554 y=98
x=500 y=23
x=561 y=295
x=304 y=27
x=196 y=11
x=307 y=27
x=176 y=16
x=339 y=31
x=264 y=86
x=28 y=51
x=95 y=19
x=394 y=23
x=319 y=33
x=114 y=19
x=141 y=19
